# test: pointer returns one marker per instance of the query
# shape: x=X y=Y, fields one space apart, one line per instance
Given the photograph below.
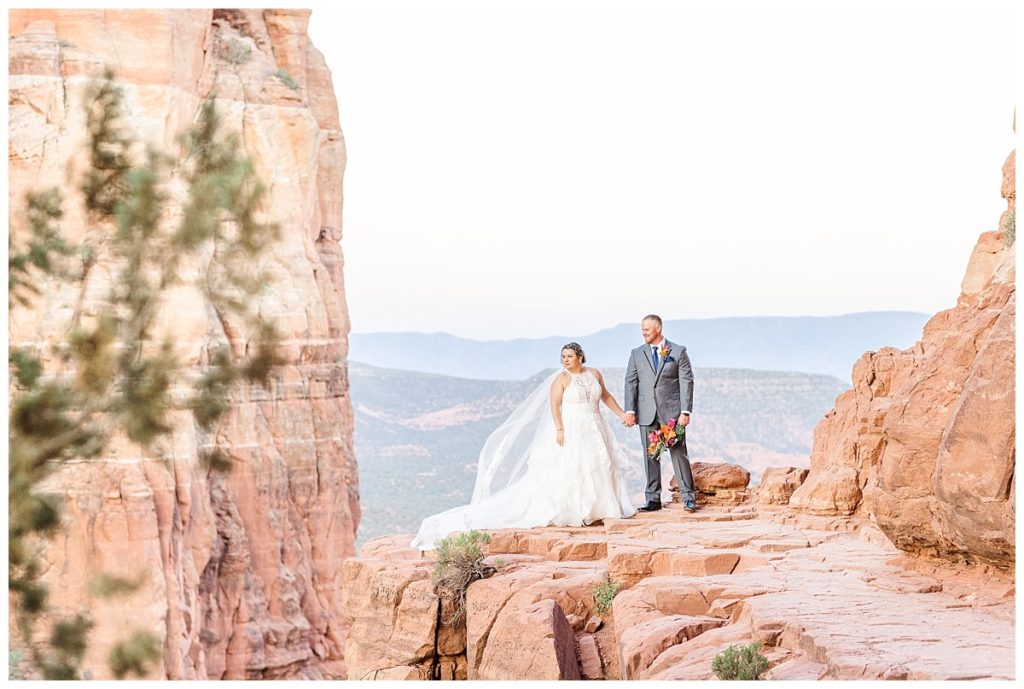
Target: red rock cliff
x=924 y=442
x=242 y=570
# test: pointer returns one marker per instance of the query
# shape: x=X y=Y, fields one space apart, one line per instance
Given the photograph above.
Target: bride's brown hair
x=576 y=348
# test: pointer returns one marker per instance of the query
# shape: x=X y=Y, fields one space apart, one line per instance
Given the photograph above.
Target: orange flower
x=665 y=430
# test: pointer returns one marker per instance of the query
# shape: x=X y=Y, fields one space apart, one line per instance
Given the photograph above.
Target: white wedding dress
x=522 y=485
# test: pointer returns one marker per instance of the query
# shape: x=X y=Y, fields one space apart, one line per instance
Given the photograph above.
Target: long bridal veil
x=503 y=459
x=502 y=463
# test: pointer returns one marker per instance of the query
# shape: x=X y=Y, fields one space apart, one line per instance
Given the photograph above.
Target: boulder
x=716 y=484
x=532 y=642
x=779 y=483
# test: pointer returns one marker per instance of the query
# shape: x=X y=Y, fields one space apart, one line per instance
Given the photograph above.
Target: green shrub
x=14 y=660
x=116 y=375
x=287 y=79
x=134 y=655
x=740 y=662
x=237 y=52
x=460 y=562
x=1010 y=228
x=604 y=594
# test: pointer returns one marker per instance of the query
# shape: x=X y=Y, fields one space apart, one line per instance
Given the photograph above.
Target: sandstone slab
x=531 y=642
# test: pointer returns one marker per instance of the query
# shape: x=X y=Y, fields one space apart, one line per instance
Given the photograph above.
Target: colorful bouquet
x=665 y=437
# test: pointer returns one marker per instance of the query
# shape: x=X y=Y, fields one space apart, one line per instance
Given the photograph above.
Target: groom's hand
x=684 y=419
x=629 y=419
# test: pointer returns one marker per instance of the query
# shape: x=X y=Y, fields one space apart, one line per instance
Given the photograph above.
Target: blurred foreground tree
x=112 y=377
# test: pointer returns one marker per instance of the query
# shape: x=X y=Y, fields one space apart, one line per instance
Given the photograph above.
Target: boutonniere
x=664 y=354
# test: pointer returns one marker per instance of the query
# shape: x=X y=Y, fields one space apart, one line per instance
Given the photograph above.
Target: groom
x=659 y=387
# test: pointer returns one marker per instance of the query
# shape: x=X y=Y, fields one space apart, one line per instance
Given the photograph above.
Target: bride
x=553 y=462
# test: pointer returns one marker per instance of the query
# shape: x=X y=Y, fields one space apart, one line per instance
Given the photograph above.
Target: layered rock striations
x=242 y=572
x=924 y=442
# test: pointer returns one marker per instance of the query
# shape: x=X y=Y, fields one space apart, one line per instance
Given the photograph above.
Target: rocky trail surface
x=828 y=597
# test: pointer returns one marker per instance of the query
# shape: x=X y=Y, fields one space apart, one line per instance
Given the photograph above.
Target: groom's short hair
x=653 y=317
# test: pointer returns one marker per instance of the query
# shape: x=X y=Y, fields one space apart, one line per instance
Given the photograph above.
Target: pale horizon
x=595 y=331
x=519 y=170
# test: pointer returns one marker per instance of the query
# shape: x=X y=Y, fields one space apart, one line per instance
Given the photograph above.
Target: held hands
x=629 y=419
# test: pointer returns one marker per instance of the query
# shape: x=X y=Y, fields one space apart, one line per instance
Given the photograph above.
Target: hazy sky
x=529 y=169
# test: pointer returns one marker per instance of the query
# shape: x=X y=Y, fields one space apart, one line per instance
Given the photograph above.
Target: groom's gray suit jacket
x=666 y=392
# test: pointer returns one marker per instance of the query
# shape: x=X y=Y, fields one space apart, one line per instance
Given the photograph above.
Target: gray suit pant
x=680 y=465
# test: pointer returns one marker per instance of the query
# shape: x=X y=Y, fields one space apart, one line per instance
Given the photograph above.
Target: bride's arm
x=607 y=397
x=557 y=388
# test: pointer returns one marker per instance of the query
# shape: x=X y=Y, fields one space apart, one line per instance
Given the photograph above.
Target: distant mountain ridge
x=806 y=344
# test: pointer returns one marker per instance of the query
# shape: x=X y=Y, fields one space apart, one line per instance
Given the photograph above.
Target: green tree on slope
x=111 y=376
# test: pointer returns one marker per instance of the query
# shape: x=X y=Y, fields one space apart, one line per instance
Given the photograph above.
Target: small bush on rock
x=14 y=660
x=238 y=52
x=740 y=662
x=287 y=79
x=460 y=562
x=604 y=594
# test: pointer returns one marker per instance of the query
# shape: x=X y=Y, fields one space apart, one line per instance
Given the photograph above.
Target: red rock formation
x=528 y=616
x=392 y=609
x=242 y=571
x=825 y=597
x=924 y=442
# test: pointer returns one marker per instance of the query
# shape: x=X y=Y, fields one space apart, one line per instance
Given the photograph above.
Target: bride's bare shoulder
x=560 y=381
